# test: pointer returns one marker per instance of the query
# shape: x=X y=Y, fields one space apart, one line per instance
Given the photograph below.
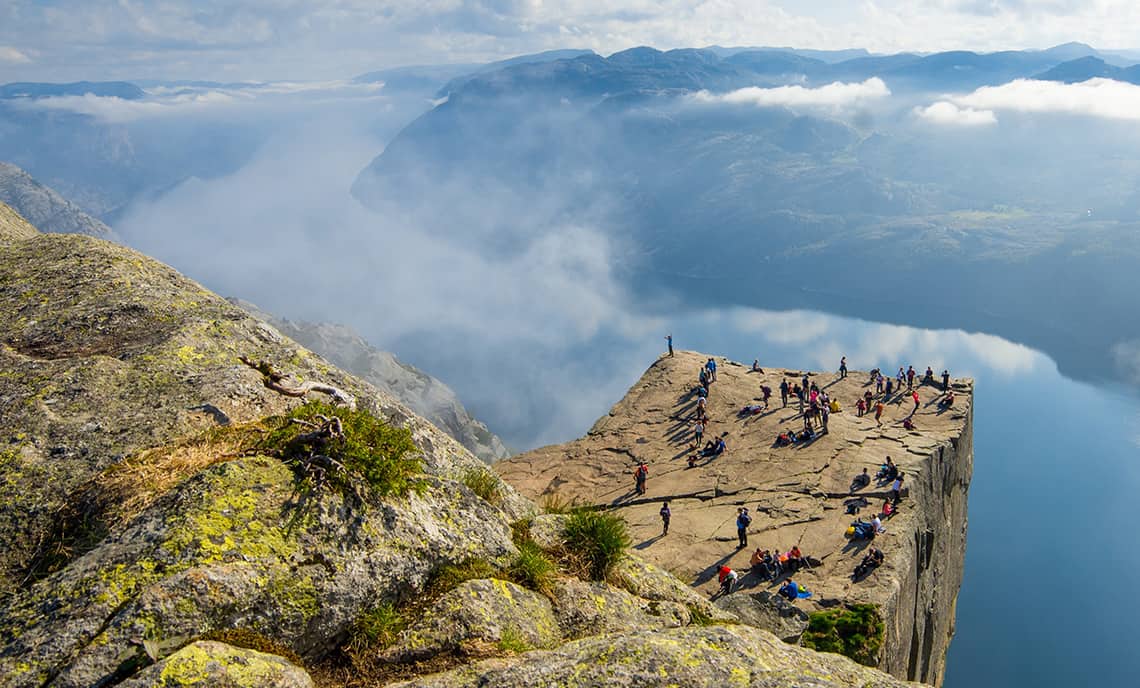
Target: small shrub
x=520 y=531
x=856 y=632
x=513 y=642
x=599 y=539
x=554 y=503
x=252 y=640
x=532 y=568
x=382 y=454
x=450 y=576
x=377 y=628
x=483 y=483
x=698 y=616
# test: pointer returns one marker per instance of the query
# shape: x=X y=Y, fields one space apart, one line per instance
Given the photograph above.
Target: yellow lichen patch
x=206 y=663
x=188 y=355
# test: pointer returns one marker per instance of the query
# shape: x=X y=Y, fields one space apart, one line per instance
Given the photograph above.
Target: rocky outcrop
x=45 y=208
x=220 y=666
x=694 y=656
x=798 y=495
x=164 y=523
x=424 y=394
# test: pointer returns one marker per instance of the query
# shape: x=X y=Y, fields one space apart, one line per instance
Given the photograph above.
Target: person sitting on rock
x=871 y=561
x=878 y=524
x=928 y=378
x=888 y=509
x=947 y=401
x=692 y=460
x=908 y=424
x=795 y=558
x=860 y=481
x=790 y=590
x=756 y=366
x=783 y=440
x=757 y=558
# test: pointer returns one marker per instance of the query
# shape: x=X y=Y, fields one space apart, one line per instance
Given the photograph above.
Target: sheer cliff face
x=423 y=393
x=45 y=208
x=797 y=495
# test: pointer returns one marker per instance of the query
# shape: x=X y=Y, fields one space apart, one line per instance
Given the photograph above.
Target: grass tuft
x=856 y=632
x=597 y=540
x=377 y=628
x=532 y=568
x=483 y=483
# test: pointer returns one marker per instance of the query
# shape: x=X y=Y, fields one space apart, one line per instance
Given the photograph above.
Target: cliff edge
x=171 y=515
x=798 y=495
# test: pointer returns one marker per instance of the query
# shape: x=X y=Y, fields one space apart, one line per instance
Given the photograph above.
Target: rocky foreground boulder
x=190 y=498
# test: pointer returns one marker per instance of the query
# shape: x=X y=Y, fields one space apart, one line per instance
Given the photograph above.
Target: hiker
x=702 y=404
x=928 y=378
x=783 y=440
x=703 y=378
x=945 y=380
x=698 y=432
x=743 y=520
x=914 y=395
x=879 y=384
x=878 y=524
x=910 y=378
x=947 y=401
x=874 y=374
x=766 y=393
x=666 y=514
x=896 y=489
x=843 y=367
x=833 y=404
x=756 y=366
x=900 y=377
x=908 y=424
x=692 y=460
x=878 y=412
x=711 y=366
x=669 y=340
x=640 y=476
x=888 y=510
x=860 y=408
x=784 y=392
x=824 y=414
x=860 y=481
x=727 y=578
x=871 y=561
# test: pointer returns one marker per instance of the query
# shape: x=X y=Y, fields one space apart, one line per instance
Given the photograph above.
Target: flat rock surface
x=796 y=494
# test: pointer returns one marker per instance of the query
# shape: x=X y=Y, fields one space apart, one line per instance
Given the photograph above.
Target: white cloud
x=1104 y=98
x=164 y=101
x=945 y=112
x=10 y=54
x=838 y=94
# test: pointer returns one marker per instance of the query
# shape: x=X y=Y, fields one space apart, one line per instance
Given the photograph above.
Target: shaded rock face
x=424 y=394
x=769 y=612
x=687 y=657
x=45 y=208
x=220 y=666
x=797 y=495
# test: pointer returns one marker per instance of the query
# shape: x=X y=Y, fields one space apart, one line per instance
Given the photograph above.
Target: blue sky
x=328 y=39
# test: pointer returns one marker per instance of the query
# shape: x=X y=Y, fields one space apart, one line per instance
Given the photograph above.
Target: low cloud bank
x=838 y=94
x=1102 y=98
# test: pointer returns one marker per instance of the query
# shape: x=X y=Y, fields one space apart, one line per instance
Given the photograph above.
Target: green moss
x=856 y=632
x=512 y=641
x=450 y=576
x=296 y=596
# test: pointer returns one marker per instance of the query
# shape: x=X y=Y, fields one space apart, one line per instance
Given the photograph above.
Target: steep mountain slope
x=44 y=207
x=170 y=515
x=423 y=393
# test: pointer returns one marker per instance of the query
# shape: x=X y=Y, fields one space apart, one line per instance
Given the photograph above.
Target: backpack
x=746 y=519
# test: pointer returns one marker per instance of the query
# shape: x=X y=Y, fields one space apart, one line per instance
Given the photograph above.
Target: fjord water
x=1048 y=596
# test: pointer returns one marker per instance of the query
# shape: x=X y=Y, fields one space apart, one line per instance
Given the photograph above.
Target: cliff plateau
x=798 y=494
x=173 y=515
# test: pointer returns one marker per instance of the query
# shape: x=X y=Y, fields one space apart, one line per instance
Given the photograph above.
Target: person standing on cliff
x=640 y=476
x=711 y=365
x=878 y=412
x=945 y=380
x=784 y=392
x=698 y=432
x=843 y=367
x=669 y=340
x=910 y=378
x=743 y=520
x=666 y=514
x=914 y=395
